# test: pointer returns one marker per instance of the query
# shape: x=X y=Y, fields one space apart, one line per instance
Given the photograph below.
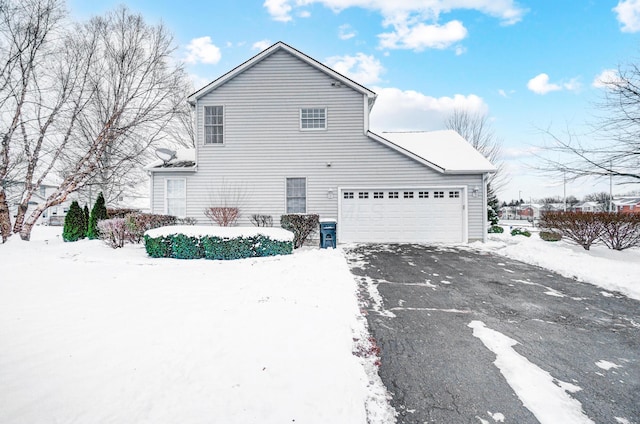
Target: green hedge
x=496 y=229
x=520 y=232
x=180 y=246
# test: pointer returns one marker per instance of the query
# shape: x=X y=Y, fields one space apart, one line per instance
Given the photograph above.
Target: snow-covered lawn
x=609 y=269
x=89 y=334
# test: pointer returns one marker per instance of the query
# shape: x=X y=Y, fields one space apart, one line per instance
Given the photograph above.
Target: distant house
x=588 y=207
x=627 y=204
x=51 y=216
x=282 y=133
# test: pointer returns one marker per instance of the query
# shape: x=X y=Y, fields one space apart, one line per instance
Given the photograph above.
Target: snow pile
x=93 y=334
x=610 y=269
x=279 y=234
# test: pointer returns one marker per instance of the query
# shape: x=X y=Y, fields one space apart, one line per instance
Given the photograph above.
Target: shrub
x=550 y=236
x=158 y=247
x=301 y=225
x=113 y=232
x=620 y=230
x=222 y=215
x=186 y=221
x=181 y=246
x=138 y=223
x=520 y=232
x=583 y=228
x=120 y=212
x=262 y=220
x=496 y=229
x=85 y=217
x=98 y=213
x=186 y=247
x=73 y=229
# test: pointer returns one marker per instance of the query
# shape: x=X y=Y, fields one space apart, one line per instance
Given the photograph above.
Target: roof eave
x=405 y=152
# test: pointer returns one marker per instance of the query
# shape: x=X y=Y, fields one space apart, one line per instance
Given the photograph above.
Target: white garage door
x=401 y=215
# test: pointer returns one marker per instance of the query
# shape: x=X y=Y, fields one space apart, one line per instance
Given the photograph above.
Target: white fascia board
x=405 y=152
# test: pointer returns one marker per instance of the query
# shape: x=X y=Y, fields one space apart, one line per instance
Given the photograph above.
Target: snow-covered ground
x=92 y=334
x=609 y=269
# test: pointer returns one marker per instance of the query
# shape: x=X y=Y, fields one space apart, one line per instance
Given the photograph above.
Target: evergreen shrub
x=496 y=229
x=550 y=236
x=98 y=213
x=180 y=246
x=301 y=225
x=73 y=229
x=520 y=232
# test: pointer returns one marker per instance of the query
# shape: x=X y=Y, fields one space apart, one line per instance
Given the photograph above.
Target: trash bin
x=328 y=233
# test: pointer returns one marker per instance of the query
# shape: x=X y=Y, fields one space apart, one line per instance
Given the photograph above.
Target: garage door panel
x=414 y=216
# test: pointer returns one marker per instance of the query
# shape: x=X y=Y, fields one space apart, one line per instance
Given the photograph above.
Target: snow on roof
x=445 y=149
x=184 y=158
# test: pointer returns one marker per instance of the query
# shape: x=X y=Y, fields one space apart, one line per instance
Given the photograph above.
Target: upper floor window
x=313 y=118
x=213 y=125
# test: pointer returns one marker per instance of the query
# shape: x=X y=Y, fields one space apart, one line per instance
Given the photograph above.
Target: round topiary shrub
x=496 y=229
x=550 y=236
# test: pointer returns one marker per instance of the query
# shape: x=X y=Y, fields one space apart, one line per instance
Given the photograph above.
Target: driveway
x=441 y=317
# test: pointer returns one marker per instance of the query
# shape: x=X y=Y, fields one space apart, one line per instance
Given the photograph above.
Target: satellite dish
x=165 y=154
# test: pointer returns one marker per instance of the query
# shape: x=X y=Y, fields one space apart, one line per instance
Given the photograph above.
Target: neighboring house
x=283 y=133
x=588 y=207
x=627 y=204
x=51 y=216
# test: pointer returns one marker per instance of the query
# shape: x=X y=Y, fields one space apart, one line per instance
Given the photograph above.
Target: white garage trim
x=464 y=214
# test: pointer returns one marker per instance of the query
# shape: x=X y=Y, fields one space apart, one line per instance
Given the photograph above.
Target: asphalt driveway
x=422 y=299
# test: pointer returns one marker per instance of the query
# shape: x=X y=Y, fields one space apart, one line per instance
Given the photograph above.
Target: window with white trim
x=175 y=195
x=313 y=118
x=213 y=125
x=296 y=195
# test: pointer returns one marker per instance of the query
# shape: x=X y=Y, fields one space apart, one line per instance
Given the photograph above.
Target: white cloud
x=202 y=50
x=304 y=14
x=540 y=84
x=606 y=78
x=261 y=45
x=361 y=68
x=628 y=12
x=345 y=32
x=414 y=22
x=278 y=9
x=460 y=50
x=421 y=36
x=198 y=81
x=573 y=85
x=398 y=110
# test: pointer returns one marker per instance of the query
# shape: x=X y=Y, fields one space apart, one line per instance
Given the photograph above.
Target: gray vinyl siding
x=263 y=145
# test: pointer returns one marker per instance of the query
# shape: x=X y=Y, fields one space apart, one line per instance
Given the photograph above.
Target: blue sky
x=528 y=64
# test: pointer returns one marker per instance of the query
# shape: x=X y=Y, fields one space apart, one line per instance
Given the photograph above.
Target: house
x=51 y=216
x=627 y=204
x=283 y=133
x=588 y=207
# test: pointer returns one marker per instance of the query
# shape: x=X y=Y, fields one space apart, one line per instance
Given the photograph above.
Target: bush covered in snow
x=301 y=225
x=113 y=232
x=209 y=245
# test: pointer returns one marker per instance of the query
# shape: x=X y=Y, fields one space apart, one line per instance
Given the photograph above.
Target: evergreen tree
x=493 y=206
x=73 y=223
x=85 y=214
x=98 y=213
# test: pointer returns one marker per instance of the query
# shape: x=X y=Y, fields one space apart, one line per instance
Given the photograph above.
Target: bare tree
x=602 y=198
x=476 y=129
x=613 y=149
x=26 y=28
x=96 y=99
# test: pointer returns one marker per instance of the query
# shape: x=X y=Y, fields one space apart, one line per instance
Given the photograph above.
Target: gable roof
x=268 y=52
x=445 y=151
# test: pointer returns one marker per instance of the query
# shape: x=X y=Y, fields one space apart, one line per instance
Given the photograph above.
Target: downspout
x=485 y=229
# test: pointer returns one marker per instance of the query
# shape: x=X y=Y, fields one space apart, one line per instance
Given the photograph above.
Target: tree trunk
x=22 y=211
x=25 y=231
x=5 y=217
